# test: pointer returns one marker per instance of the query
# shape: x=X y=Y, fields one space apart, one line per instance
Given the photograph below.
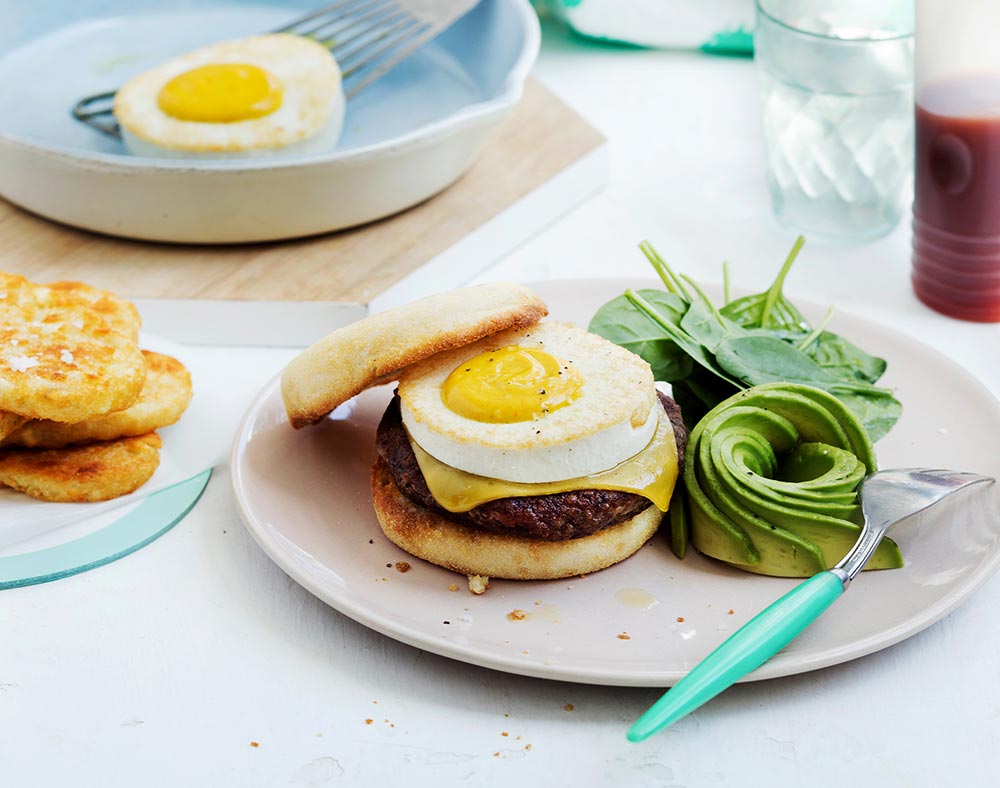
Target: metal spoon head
x=893 y=495
x=887 y=497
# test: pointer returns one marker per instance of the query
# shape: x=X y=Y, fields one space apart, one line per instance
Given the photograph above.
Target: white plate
x=406 y=137
x=645 y=622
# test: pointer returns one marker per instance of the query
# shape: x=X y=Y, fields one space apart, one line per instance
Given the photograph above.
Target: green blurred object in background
x=719 y=27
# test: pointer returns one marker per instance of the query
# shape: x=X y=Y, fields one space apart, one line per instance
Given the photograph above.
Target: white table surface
x=162 y=668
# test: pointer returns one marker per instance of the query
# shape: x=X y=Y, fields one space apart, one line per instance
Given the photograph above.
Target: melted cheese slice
x=651 y=473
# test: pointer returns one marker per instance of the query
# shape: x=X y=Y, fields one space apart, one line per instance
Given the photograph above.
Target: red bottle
x=956 y=209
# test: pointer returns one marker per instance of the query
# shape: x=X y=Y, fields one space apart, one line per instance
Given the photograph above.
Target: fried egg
x=547 y=403
x=247 y=97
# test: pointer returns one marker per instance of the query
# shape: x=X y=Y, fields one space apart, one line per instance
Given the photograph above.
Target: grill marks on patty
x=567 y=515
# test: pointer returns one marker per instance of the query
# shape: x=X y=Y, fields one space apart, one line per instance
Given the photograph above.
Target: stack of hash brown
x=80 y=403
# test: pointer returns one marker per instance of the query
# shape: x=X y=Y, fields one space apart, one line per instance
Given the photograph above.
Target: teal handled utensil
x=887 y=497
x=152 y=518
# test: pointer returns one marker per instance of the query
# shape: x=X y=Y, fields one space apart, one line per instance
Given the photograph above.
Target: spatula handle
x=748 y=648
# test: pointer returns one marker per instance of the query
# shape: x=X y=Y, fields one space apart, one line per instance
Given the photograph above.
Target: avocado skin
x=771 y=479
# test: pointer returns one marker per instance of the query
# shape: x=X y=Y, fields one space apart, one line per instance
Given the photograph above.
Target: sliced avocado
x=779 y=563
x=780 y=553
x=771 y=480
x=830 y=494
x=858 y=442
x=714 y=534
x=679 y=521
x=751 y=542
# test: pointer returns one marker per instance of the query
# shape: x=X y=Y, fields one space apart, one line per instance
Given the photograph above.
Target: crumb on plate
x=478 y=583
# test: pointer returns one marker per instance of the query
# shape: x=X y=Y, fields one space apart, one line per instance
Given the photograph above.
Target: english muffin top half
x=377 y=348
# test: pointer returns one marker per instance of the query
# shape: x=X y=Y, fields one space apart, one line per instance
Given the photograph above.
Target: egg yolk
x=511 y=384
x=221 y=93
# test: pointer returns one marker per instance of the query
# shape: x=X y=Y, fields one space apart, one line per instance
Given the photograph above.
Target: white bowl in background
x=405 y=138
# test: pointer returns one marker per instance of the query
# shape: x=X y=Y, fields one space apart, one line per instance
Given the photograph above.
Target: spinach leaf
x=698 y=352
x=759 y=358
x=707 y=327
x=699 y=393
x=620 y=322
x=844 y=359
x=876 y=408
x=707 y=354
x=619 y=318
x=769 y=309
x=763 y=359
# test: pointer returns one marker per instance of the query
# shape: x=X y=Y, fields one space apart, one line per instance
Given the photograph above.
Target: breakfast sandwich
x=512 y=448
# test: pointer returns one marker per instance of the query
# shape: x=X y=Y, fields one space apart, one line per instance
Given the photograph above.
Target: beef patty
x=566 y=515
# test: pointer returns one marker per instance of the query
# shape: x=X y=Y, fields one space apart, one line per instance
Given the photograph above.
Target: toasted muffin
x=373 y=350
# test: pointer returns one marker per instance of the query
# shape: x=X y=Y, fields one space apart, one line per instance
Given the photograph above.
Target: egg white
x=309 y=119
x=613 y=418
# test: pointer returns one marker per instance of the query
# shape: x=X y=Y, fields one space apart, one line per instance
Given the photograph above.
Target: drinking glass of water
x=836 y=81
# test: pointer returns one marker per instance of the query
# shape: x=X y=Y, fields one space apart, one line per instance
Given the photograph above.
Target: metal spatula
x=887 y=497
x=367 y=37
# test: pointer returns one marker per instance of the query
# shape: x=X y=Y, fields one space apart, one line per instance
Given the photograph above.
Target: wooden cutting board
x=542 y=138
